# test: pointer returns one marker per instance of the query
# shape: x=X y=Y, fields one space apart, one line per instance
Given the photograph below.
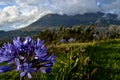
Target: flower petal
x=29 y=75
x=47 y=70
x=5 y=69
x=22 y=74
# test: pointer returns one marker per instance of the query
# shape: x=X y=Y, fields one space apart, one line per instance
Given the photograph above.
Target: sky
x=15 y=14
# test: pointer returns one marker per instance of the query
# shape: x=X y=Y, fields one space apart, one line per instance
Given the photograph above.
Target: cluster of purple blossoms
x=63 y=41
x=71 y=40
x=27 y=56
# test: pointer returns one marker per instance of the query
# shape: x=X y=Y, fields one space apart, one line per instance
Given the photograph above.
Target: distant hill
x=55 y=20
x=87 y=18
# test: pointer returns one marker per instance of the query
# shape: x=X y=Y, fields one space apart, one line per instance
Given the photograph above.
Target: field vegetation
x=91 y=56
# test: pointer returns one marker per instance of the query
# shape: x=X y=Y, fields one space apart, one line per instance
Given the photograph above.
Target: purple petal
x=48 y=64
x=18 y=64
x=29 y=75
x=17 y=61
x=5 y=69
x=22 y=74
x=3 y=59
x=25 y=64
x=39 y=42
x=52 y=58
x=32 y=70
x=47 y=70
x=27 y=40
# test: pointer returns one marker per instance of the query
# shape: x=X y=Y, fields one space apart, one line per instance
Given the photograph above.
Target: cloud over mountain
x=19 y=13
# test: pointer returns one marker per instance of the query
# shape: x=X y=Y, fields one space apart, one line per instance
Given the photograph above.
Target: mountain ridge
x=55 y=20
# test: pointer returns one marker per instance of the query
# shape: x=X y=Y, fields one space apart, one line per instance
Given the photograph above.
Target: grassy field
x=81 y=61
x=106 y=58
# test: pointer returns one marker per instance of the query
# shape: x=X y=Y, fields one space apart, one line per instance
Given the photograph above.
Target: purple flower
x=71 y=40
x=18 y=64
x=27 y=55
x=18 y=43
x=62 y=41
x=26 y=46
x=7 y=53
x=26 y=70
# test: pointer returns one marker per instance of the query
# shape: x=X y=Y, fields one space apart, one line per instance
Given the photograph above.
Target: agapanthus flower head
x=27 y=56
x=71 y=40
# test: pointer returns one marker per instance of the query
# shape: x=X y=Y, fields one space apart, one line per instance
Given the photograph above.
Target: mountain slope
x=87 y=18
x=55 y=20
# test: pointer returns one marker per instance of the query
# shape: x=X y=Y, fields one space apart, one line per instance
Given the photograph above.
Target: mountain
x=87 y=18
x=55 y=20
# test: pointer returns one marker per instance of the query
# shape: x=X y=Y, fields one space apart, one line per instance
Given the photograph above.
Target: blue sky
x=20 y=13
x=2 y=6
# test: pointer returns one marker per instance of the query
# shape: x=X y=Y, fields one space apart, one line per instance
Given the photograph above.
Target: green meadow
x=97 y=60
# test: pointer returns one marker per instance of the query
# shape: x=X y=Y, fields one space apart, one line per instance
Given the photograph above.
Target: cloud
x=12 y=17
x=75 y=6
x=20 y=13
x=4 y=2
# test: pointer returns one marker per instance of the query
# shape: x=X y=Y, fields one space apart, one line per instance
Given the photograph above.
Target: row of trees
x=79 y=33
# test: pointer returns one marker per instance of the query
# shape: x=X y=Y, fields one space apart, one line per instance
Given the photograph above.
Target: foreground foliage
x=93 y=61
x=106 y=58
x=27 y=56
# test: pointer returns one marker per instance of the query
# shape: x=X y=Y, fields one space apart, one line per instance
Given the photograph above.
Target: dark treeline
x=79 y=33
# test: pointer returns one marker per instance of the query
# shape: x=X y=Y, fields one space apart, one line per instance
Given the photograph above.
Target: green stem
x=21 y=78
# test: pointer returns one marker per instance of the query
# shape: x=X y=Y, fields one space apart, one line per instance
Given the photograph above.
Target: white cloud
x=75 y=6
x=20 y=13
x=12 y=17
